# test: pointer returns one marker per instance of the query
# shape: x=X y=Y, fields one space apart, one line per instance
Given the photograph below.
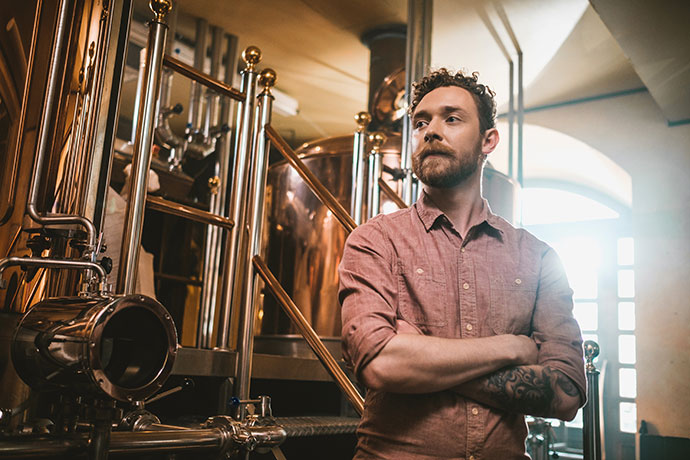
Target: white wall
x=632 y=132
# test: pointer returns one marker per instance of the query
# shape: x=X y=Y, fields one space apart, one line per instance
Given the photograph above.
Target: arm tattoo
x=528 y=390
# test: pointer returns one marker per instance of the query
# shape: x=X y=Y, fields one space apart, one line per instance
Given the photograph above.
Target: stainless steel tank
x=303 y=242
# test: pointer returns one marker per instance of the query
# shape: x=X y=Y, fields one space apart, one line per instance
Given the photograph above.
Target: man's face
x=446 y=142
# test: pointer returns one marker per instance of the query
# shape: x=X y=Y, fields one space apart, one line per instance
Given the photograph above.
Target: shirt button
x=420 y=271
x=518 y=281
x=475 y=411
x=466 y=286
x=462 y=249
x=468 y=327
x=471 y=457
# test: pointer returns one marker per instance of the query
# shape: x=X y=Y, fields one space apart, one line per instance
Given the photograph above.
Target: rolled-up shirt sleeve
x=554 y=328
x=368 y=294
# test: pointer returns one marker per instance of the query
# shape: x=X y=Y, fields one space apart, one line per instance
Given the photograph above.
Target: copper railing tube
x=390 y=193
x=200 y=77
x=311 y=180
x=188 y=212
x=310 y=335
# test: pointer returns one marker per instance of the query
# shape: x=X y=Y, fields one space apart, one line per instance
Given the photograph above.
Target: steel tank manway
x=121 y=347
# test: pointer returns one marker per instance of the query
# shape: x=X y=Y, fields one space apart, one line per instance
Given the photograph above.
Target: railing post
x=591 y=434
x=257 y=190
x=141 y=160
x=237 y=243
x=375 y=168
x=362 y=119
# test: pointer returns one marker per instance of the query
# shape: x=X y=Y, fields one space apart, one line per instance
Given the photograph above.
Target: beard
x=439 y=166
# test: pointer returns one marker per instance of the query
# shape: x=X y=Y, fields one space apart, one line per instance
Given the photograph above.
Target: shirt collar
x=429 y=213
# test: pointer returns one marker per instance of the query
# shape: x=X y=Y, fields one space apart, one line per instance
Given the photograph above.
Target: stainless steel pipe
x=258 y=187
x=310 y=335
x=375 y=169
x=390 y=193
x=357 y=191
x=51 y=263
x=233 y=278
x=65 y=12
x=417 y=61
x=141 y=160
x=591 y=430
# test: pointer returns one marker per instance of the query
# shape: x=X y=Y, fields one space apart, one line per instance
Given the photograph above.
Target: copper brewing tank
x=303 y=242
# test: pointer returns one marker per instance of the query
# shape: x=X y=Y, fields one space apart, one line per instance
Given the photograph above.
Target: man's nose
x=432 y=133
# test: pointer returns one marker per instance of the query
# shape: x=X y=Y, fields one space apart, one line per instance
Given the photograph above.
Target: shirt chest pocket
x=422 y=298
x=512 y=304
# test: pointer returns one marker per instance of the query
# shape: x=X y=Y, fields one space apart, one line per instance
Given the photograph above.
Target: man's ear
x=490 y=141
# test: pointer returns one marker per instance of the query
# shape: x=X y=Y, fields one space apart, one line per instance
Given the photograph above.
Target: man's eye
x=419 y=124
x=452 y=119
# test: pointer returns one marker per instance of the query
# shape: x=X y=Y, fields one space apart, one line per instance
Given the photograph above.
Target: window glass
x=586 y=314
x=581 y=257
x=627 y=382
x=628 y=417
x=626 y=349
x=626 y=283
x=626 y=316
x=550 y=206
x=626 y=254
x=576 y=422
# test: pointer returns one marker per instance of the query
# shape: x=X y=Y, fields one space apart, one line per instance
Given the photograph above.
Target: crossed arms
x=498 y=371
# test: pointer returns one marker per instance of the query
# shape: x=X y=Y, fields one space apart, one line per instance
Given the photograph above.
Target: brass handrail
x=190 y=72
x=310 y=335
x=314 y=184
x=188 y=212
x=390 y=193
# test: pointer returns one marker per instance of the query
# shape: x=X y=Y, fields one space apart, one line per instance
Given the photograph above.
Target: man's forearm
x=413 y=363
x=534 y=390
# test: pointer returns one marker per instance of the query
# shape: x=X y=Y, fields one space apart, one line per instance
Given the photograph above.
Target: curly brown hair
x=482 y=94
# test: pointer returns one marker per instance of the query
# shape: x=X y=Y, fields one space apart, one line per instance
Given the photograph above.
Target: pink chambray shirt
x=413 y=265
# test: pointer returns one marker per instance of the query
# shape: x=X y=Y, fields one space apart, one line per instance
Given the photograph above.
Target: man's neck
x=462 y=204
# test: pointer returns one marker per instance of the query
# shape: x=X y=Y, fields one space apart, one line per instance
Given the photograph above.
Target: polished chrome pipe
x=47 y=120
x=141 y=160
x=195 y=114
x=137 y=97
x=417 y=61
x=213 y=234
x=591 y=429
x=362 y=119
x=237 y=243
x=375 y=169
x=329 y=363
x=258 y=187
x=26 y=262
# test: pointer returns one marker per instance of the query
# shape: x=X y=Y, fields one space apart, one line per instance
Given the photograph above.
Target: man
x=455 y=321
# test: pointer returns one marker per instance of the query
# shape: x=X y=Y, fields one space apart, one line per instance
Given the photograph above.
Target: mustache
x=441 y=150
